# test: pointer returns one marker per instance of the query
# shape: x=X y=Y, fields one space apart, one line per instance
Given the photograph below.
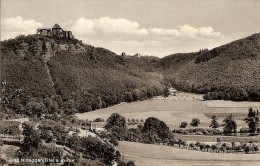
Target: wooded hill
x=52 y=73
x=230 y=72
x=61 y=74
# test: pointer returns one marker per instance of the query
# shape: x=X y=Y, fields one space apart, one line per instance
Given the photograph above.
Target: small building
x=97 y=126
x=33 y=124
x=44 y=31
x=244 y=130
x=172 y=91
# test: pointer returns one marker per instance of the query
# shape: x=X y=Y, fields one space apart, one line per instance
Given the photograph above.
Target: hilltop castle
x=56 y=30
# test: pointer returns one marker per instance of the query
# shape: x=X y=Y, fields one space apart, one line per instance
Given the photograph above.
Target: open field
x=7 y=151
x=238 y=110
x=174 y=111
x=154 y=155
x=221 y=103
x=213 y=138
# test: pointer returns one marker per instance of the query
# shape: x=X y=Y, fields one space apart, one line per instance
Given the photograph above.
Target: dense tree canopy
x=228 y=72
x=157 y=126
x=230 y=125
x=83 y=81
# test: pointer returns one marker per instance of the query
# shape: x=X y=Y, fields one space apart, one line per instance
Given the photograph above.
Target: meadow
x=174 y=110
x=154 y=155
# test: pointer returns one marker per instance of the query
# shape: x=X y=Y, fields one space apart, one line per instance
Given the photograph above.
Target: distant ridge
x=230 y=72
x=245 y=45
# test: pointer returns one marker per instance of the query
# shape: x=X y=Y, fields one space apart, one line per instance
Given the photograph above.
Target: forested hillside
x=102 y=83
x=42 y=74
x=47 y=75
x=230 y=72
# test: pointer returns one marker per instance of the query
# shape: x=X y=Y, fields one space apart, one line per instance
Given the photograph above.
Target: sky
x=147 y=27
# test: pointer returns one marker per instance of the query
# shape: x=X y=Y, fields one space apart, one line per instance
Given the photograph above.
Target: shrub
x=183 y=124
x=1 y=143
x=114 y=141
x=256 y=148
x=99 y=120
x=195 y=122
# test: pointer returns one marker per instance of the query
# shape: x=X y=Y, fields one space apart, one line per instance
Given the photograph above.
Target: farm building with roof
x=98 y=126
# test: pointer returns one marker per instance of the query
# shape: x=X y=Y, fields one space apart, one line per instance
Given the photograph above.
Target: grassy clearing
x=221 y=103
x=6 y=125
x=152 y=155
x=8 y=151
x=171 y=111
x=207 y=138
x=174 y=111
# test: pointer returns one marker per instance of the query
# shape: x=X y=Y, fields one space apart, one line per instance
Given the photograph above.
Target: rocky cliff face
x=28 y=58
x=47 y=48
x=22 y=49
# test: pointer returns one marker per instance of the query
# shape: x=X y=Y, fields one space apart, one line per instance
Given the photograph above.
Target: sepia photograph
x=130 y=83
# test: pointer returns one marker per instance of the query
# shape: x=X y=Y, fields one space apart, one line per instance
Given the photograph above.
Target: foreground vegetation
x=154 y=131
x=52 y=138
x=53 y=141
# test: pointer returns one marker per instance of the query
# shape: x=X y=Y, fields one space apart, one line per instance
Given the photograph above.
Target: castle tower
x=57 y=30
x=70 y=35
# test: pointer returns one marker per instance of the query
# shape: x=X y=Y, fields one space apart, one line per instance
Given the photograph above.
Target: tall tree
x=252 y=120
x=214 y=122
x=116 y=120
x=116 y=124
x=31 y=140
x=230 y=125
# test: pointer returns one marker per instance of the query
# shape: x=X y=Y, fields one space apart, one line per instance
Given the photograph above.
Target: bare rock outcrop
x=48 y=51
x=63 y=47
x=22 y=49
x=36 y=48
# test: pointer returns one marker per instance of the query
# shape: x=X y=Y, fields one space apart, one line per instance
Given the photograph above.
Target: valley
x=91 y=105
